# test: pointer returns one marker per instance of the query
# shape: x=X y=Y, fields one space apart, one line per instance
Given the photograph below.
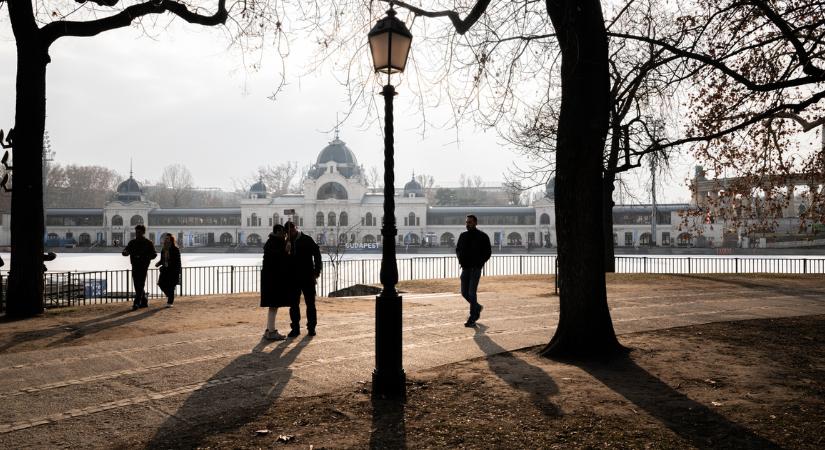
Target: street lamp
x=389 y=43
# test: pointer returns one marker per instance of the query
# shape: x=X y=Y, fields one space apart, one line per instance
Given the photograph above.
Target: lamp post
x=389 y=43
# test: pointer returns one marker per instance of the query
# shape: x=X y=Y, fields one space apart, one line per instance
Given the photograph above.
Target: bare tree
x=36 y=27
x=337 y=237
x=78 y=186
x=177 y=181
x=375 y=180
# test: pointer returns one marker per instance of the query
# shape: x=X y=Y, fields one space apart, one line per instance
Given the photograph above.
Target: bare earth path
x=103 y=376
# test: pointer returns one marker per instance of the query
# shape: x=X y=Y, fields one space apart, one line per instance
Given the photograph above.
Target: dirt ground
x=80 y=325
x=748 y=384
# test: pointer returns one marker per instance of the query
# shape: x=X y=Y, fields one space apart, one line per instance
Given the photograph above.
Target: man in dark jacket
x=473 y=251
x=306 y=257
x=141 y=252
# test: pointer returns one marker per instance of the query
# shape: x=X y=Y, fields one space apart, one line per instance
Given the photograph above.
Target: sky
x=179 y=97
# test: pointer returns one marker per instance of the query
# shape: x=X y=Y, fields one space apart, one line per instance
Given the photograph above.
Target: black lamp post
x=389 y=43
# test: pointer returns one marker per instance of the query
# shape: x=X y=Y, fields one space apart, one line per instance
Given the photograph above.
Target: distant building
x=337 y=206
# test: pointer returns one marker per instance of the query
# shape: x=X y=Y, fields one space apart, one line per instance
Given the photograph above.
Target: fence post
x=556 y=278
x=804 y=265
x=688 y=264
x=69 y=293
x=412 y=263
x=520 y=264
x=645 y=264
x=444 y=260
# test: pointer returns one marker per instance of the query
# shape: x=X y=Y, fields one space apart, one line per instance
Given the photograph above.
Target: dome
x=413 y=189
x=130 y=186
x=258 y=190
x=550 y=188
x=129 y=191
x=337 y=151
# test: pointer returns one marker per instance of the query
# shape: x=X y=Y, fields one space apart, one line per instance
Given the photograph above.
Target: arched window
x=411 y=239
x=331 y=219
x=544 y=219
x=276 y=219
x=343 y=219
x=84 y=239
x=253 y=239
x=319 y=219
x=137 y=219
x=684 y=240
x=448 y=239
x=53 y=236
x=369 y=219
x=514 y=239
x=369 y=239
x=645 y=240
x=117 y=221
x=226 y=239
x=411 y=219
x=332 y=191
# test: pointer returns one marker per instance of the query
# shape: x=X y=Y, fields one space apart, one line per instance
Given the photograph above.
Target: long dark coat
x=170 y=269
x=278 y=287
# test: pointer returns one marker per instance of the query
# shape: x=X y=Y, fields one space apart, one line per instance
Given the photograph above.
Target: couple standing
x=291 y=266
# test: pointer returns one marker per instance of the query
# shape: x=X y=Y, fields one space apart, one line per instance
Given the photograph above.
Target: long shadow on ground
x=518 y=373
x=690 y=420
x=237 y=394
x=388 y=426
x=767 y=286
x=77 y=330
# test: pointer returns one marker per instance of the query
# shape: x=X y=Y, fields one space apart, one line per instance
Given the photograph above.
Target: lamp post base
x=390 y=385
x=388 y=378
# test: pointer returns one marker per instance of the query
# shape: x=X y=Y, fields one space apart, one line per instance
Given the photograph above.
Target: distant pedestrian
x=170 y=268
x=141 y=252
x=473 y=251
x=306 y=257
x=278 y=286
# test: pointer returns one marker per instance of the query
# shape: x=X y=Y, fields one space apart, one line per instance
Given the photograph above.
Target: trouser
x=470 y=277
x=170 y=294
x=139 y=278
x=308 y=289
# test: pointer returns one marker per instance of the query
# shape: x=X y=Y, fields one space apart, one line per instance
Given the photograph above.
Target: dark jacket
x=307 y=259
x=278 y=286
x=141 y=252
x=170 y=269
x=473 y=249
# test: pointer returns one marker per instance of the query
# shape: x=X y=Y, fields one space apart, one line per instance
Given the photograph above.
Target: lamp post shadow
x=237 y=394
x=388 y=427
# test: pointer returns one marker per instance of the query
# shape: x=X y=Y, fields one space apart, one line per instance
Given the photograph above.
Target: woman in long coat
x=170 y=268
x=277 y=282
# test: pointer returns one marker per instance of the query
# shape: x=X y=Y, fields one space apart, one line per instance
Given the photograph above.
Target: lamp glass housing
x=390 y=42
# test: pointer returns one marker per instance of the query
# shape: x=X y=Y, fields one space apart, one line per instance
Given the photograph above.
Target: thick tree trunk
x=25 y=289
x=585 y=327
x=607 y=222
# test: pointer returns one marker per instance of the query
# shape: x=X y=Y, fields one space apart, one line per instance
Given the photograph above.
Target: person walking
x=278 y=287
x=473 y=251
x=170 y=268
x=141 y=252
x=307 y=263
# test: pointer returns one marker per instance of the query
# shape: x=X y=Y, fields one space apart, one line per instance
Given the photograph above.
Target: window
x=331 y=219
x=418 y=221
x=615 y=240
x=628 y=239
x=253 y=239
x=225 y=239
x=332 y=191
x=319 y=219
x=448 y=239
x=684 y=240
x=514 y=239
x=276 y=219
x=545 y=219
x=117 y=221
x=645 y=240
x=255 y=220
x=412 y=219
x=136 y=220
x=343 y=219
x=666 y=238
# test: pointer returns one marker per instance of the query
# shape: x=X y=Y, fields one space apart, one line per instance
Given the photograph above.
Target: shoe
x=273 y=335
x=311 y=331
x=478 y=311
x=169 y=305
x=135 y=307
x=144 y=305
x=294 y=333
x=470 y=323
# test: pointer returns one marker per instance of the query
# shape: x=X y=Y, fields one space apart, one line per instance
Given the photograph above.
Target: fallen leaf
x=285 y=438
x=716 y=403
x=262 y=432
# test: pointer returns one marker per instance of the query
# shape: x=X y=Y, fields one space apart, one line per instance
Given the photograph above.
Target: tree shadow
x=77 y=330
x=767 y=286
x=689 y=419
x=518 y=373
x=237 y=394
x=388 y=426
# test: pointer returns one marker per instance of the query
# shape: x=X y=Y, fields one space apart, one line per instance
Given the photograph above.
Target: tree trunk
x=607 y=221
x=585 y=328
x=25 y=289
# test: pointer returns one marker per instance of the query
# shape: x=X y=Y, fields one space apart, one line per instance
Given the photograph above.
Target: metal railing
x=107 y=286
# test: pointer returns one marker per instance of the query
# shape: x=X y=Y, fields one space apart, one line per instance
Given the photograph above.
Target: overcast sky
x=182 y=98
